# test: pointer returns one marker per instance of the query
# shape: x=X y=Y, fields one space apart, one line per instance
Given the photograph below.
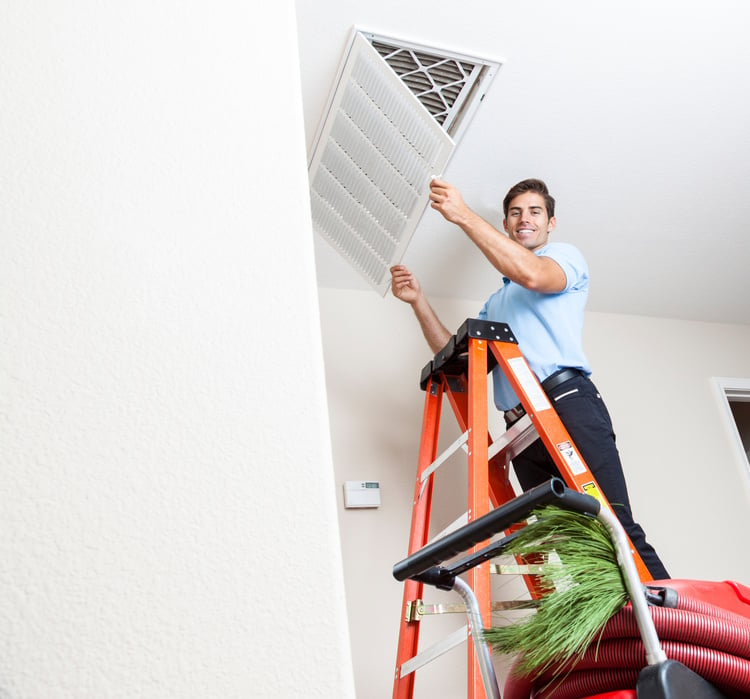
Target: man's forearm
x=436 y=334
x=511 y=259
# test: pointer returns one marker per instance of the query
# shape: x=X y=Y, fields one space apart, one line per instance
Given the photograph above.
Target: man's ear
x=551 y=225
x=505 y=225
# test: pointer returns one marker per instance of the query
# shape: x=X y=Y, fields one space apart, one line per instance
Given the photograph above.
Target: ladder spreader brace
x=459 y=372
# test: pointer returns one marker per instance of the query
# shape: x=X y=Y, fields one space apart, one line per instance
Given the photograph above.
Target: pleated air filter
x=391 y=124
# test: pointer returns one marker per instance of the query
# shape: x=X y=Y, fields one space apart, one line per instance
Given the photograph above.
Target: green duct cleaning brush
x=583 y=587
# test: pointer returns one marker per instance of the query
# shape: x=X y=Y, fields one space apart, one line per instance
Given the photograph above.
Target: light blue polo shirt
x=548 y=327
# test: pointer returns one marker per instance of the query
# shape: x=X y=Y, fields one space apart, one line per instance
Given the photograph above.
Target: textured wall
x=167 y=493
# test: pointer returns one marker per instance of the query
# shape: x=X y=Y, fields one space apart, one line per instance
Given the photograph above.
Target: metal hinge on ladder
x=413 y=611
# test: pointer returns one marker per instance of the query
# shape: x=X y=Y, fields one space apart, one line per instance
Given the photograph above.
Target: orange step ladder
x=459 y=373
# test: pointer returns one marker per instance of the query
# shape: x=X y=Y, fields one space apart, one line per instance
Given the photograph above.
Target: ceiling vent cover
x=391 y=123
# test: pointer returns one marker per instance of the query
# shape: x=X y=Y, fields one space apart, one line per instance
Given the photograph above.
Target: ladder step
x=435 y=651
x=515 y=439
x=447 y=453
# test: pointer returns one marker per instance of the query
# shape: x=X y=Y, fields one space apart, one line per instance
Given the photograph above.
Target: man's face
x=527 y=222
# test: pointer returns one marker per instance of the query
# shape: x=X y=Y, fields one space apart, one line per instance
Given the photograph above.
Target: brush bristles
x=583 y=592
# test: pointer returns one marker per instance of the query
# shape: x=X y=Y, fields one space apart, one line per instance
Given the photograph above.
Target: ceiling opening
x=449 y=85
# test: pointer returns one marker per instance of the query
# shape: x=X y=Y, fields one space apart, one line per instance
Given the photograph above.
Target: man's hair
x=530 y=185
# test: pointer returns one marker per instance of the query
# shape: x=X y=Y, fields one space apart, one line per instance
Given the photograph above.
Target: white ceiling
x=636 y=114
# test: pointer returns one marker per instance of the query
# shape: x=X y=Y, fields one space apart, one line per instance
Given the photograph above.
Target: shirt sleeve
x=572 y=262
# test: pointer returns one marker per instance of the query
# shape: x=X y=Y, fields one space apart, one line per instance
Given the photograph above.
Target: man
x=542 y=299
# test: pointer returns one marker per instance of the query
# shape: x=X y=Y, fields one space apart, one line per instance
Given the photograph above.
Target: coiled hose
x=710 y=640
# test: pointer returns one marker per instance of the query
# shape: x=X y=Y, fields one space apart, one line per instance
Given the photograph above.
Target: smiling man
x=542 y=298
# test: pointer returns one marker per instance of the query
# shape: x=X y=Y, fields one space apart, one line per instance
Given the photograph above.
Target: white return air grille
x=382 y=138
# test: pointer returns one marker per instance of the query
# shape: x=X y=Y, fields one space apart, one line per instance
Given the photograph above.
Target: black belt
x=551 y=382
x=554 y=380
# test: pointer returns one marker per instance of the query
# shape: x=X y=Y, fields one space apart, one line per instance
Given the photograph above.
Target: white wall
x=168 y=524
x=687 y=486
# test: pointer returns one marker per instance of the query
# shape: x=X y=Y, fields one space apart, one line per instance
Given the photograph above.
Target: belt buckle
x=515 y=414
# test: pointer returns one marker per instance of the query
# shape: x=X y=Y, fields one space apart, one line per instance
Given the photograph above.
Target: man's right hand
x=405 y=285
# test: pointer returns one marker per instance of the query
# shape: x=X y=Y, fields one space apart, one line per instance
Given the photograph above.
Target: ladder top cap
x=451 y=360
x=485 y=330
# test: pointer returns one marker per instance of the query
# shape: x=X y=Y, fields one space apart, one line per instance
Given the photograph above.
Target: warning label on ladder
x=571 y=458
x=529 y=383
x=591 y=489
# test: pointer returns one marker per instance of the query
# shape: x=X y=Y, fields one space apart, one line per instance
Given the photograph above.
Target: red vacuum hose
x=712 y=641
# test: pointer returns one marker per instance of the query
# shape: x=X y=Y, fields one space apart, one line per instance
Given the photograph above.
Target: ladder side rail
x=408 y=639
x=551 y=430
x=478 y=578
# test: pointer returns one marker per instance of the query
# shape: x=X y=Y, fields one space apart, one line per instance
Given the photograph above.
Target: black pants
x=585 y=416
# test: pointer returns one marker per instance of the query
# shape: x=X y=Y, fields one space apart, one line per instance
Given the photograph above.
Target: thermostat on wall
x=361 y=494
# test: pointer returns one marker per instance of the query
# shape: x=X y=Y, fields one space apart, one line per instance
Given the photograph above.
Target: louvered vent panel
x=372 y=164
